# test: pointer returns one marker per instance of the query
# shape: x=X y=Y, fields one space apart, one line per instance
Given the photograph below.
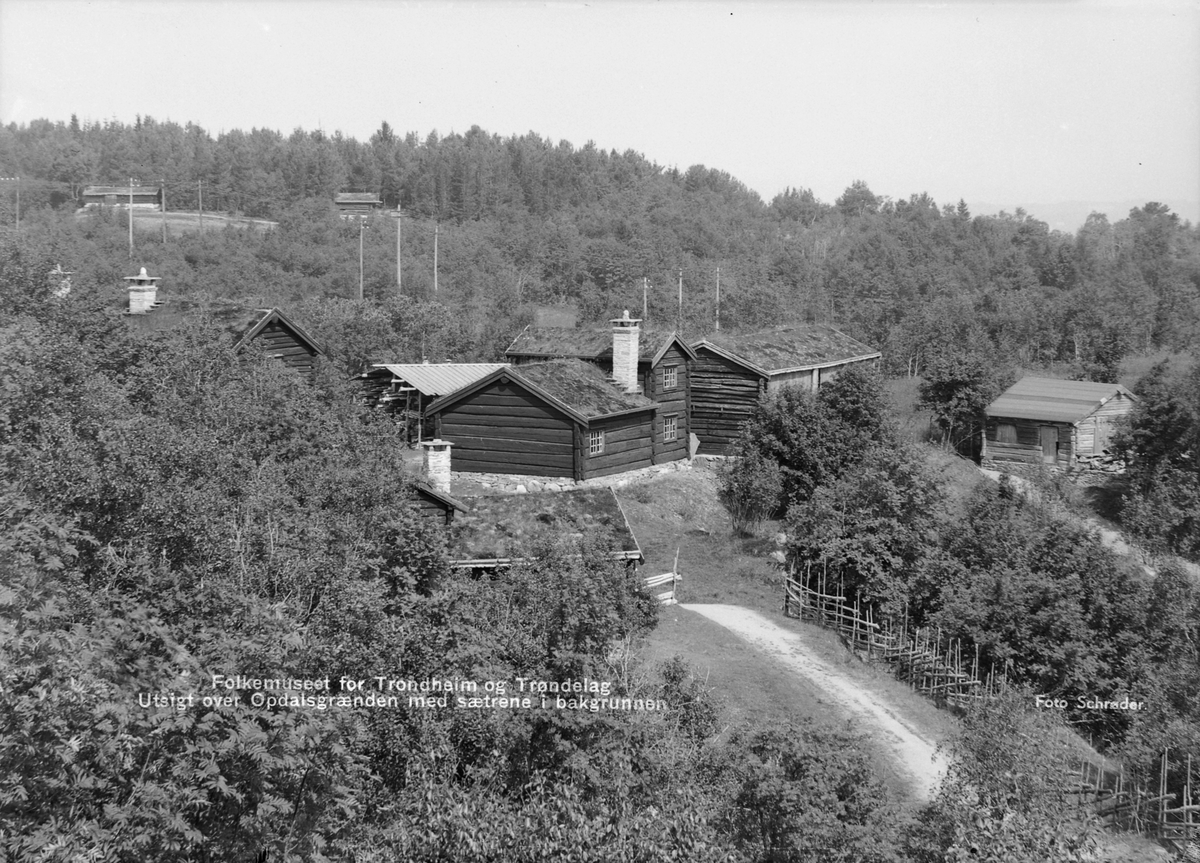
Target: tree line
x=526 y=220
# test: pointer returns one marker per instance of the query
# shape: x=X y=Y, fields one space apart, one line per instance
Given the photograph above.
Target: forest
x=174 y=510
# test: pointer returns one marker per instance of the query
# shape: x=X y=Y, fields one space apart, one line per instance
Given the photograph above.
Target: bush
x=751 y=485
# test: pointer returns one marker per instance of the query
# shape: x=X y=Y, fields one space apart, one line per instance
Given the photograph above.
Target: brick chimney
x=437 y=464
x=143 y=293
x=625 y=352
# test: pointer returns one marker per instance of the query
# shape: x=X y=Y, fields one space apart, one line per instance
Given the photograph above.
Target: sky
x=1002 y=104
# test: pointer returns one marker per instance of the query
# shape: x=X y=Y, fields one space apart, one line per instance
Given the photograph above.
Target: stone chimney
x=143 y=293
x=437 y=464
x=625 y=352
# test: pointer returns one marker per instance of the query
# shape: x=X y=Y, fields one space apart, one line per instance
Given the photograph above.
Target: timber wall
x=1097 y=428
x=1028 y=448
x=627 y=445
x=723 y=396
x=504 y=429
x=280 y=342
x=432 y=511
x=674 y=401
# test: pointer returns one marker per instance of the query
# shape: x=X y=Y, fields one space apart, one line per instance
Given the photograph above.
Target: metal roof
x=440 y=379
x=1053 y=400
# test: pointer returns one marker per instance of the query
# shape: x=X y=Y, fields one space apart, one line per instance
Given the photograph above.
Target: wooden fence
x=919 y=657
x=938 y=668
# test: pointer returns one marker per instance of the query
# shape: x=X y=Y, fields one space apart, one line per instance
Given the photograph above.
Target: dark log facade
x=674 y=402
x=278 y=340
x=503 y=428
x=723 y=395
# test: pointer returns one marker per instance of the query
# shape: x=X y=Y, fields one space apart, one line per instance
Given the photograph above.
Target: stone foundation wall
x=506 y=483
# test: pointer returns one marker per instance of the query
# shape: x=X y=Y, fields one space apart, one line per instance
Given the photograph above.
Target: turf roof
x=580 y=386
x=792 y=347
x=589 y=344
x=504 y=527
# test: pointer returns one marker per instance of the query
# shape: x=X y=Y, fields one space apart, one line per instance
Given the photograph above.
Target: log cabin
x=143 y=197
x=406 y=390
x=734 y=370
x=497 y=530
x=268 y=330
x=654 y=362
x=1052 y=422
x=351 y=205
x=562 y=418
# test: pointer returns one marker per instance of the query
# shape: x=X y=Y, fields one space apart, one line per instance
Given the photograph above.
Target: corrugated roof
x=589 y=344
x=439 y=379
x=1053 y=400
x=791 y=347
x=580 y=386
x=503 y=527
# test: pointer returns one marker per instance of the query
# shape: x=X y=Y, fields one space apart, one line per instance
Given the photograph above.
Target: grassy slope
x=680 y=511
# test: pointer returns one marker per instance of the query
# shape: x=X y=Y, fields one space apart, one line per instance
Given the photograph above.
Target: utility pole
x=163 y=200
x=200 y=203
x=645 y=291
x=131 y=218
x=718 y=299
x=399 y=283
x=435 y=256
x=361 y=225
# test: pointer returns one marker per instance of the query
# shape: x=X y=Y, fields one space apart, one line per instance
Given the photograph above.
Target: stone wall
x=503 y=483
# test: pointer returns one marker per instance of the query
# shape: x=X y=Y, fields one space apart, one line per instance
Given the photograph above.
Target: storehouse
x=559 y=419
x=1053 y=422
x=406 y=390
x=654 y=362
x=733 y=370
x=357 y=204
x=437 y=507
x=143 y=197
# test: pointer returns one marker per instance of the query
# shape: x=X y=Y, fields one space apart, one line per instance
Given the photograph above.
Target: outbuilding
x=557 y=419
x=1053 y=422
x=406 y=390
x=732 y=371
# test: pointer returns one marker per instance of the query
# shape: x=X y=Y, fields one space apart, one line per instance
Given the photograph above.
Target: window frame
x=671 y=377
x=595 y=442
x=673 y=419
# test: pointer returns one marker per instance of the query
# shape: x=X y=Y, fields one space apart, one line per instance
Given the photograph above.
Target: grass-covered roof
x=580 y=386
x=791 y=347
x=505 y=527
x=590 y=344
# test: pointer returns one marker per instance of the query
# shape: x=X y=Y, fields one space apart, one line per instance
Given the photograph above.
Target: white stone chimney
x=437 y=464
x=625 y=352
x=143 y=293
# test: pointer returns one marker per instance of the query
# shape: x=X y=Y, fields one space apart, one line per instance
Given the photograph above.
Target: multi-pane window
x=595 y=442
x=670 y=377
x=670 y=428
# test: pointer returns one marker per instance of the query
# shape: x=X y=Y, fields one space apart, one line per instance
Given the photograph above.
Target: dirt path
x=915 y=755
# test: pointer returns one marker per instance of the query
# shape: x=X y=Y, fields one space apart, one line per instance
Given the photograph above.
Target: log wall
x=671 y=402
x=1028 y=447
x=723 y=395
x=280 y=342
x=503 y=429
x=627 y=444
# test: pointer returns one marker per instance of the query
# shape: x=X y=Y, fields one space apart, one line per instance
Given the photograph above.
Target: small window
x=670 y=428
x=670 y=377
x=1006 y=433
x=595 y=442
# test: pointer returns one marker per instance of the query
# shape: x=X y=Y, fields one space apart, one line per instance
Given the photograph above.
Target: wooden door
x=1049 y=436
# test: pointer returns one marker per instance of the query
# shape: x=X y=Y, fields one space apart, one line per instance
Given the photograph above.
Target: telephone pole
x=131 y=218
x=399 y=283
x=435 y=256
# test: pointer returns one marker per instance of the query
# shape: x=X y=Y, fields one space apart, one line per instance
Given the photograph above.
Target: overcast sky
x=1006 y=103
